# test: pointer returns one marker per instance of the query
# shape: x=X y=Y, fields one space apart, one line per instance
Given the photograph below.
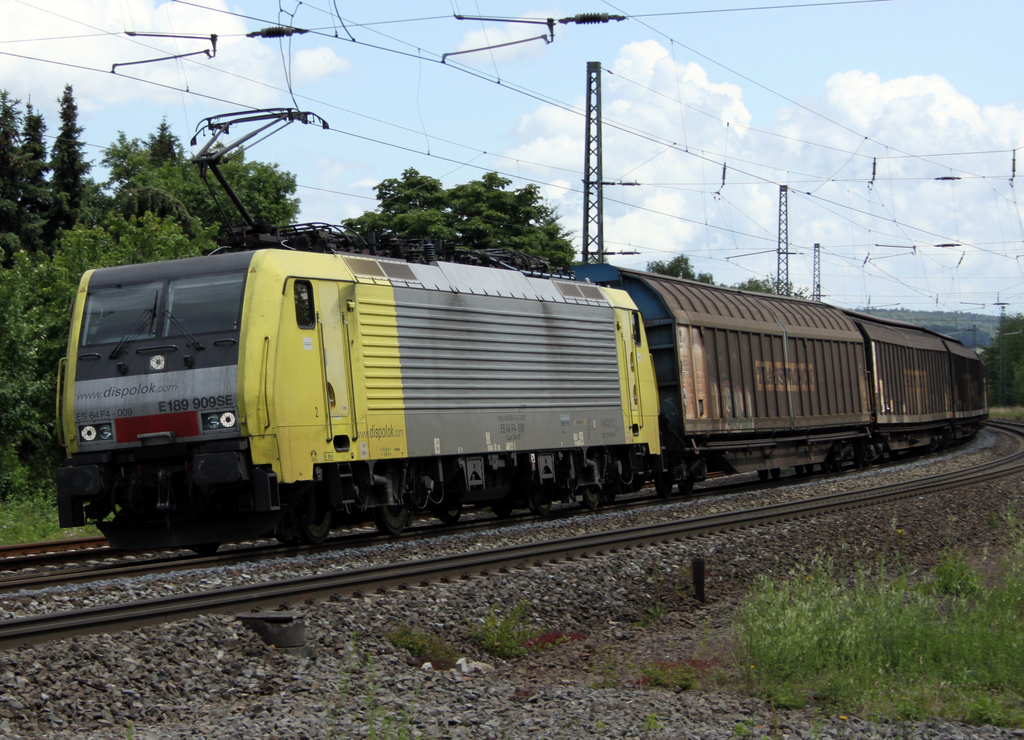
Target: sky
x=895 y=125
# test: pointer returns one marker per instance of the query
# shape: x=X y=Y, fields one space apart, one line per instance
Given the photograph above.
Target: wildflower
x=842 y=716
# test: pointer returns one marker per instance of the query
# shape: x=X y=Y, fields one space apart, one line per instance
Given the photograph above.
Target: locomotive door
x=631 y=339
x=331 y=337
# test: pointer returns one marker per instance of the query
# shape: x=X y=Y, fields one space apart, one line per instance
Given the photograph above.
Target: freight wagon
x=757 y=382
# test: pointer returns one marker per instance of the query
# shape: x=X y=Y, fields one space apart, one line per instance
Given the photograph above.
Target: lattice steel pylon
x=593 y=175
x=816 y=290
x=782 y=254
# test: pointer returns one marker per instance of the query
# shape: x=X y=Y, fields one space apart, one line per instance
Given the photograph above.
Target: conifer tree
x=69 y=170
x=10 y=177
x=35 y=189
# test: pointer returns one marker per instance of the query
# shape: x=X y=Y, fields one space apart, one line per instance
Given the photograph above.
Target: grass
x=510 y=636
x=505 y=636
x=425 y=647
x=950 y=646
x=1010 y=413
x=33 y=518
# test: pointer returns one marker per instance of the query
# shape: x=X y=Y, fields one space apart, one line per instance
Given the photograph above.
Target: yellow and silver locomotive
x=276 y=391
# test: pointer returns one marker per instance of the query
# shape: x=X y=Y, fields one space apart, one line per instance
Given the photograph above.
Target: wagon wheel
x=448 y=514
x=590 y=496
x=762 y=475
x=539 y=500
x=391 y=520
x=205 y=550
x=776 y=473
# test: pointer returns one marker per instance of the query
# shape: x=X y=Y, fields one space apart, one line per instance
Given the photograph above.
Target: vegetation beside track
x=947 y=645
x=32 y=517
x=1007 y=413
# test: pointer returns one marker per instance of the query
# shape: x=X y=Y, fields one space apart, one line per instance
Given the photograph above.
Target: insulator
x=582 y=18
x=429 y=253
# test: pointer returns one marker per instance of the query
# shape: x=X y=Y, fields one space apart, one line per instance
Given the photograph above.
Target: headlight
x=101 y=432
x=217 y=420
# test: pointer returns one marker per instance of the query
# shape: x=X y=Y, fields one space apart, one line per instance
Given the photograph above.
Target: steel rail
x=153 y=611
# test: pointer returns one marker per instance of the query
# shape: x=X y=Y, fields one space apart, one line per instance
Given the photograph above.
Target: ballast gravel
x=211 y=677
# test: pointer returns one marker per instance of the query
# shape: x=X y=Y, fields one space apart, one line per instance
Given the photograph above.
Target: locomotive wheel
x=686 y=487
x=590 y=496
x=391 y=520
x=448 y=515
x=663 y=485
x=317 y=530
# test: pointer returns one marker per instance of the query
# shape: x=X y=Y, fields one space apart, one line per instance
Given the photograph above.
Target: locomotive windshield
x=196 y=305
x=203 y=304
x=123 y=312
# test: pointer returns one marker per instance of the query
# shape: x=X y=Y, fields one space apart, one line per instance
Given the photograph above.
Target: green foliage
x=33 y=518
x=425 y=647
x=954 y=577
x=757 y=285
x=669 y=675
x=157 y=176
x=481 y=214
x=504 y=637
x=35 y=293
x=950 y=648
x=679 y=267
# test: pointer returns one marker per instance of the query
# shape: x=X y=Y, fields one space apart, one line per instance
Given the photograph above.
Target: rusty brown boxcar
x=750 y=381
x=927 y=389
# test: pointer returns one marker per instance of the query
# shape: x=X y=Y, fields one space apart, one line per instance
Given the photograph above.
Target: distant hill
x=973 y=329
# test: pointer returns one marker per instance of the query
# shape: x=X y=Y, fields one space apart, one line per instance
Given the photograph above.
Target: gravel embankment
x=212 y=678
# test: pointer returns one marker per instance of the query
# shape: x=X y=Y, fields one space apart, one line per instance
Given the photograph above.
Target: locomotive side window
x=203 y=304
x=636 y=328
x=305 y=314
x=122 y=312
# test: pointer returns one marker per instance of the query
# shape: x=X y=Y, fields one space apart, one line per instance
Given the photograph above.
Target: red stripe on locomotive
x=182 y=424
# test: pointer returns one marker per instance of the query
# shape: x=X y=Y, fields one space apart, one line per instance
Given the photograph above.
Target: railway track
x=468 y=565
x=59 y=557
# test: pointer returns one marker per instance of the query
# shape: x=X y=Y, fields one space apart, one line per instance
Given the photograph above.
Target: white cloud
x=244 y=71
x=665 y=126
x=311 y=65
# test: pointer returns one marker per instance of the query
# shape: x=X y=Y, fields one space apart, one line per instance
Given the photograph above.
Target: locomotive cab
x=149 y=408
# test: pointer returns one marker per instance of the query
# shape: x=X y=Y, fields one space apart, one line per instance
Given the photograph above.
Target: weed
x=129 y=731
x=505 y=637
x=552 y=638
x=954 y=577
x=669 y=675
x=652 y=615
x=425 y=647
x=651 y=724
x=600 y=727
x=744 y=728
